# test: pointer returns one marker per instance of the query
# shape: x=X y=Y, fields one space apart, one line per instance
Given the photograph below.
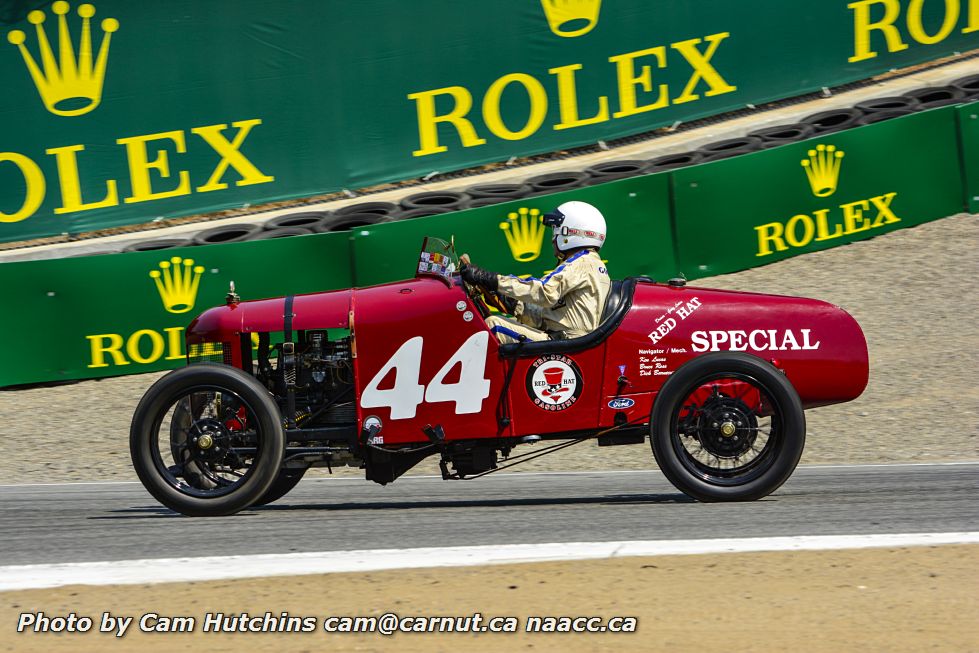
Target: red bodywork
x=819 y=347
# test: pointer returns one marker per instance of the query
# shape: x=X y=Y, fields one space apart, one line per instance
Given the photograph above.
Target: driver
x=568 y=302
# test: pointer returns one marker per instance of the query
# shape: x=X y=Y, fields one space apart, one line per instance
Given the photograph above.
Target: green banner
x=118 y=112
x=126 y=313
x=759 y=208
x=509 y=239
x=969 y=129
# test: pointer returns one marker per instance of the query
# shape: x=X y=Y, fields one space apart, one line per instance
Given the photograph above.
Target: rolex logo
x=524 y=233
x=69 y=85
x=571 y=18
x=823 y=169
x=177 y=281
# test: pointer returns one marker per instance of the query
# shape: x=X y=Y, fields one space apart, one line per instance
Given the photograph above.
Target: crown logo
x=70 y=86
x=177 y=281
x=823 y=169
x=524 y=233
x=571 y=18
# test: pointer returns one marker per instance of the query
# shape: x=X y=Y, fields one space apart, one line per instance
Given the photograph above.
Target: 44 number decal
x=408 y=393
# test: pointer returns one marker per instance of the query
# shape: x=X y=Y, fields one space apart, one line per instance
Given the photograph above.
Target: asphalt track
x=87 y=522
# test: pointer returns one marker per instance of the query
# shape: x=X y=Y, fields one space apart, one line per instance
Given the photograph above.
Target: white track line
x=522 y=474
x=128 y=572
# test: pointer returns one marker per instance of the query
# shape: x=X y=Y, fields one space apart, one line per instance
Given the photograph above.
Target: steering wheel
x=478 y=298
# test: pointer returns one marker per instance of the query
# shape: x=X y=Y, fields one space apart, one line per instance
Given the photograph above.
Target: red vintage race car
x=380 y=378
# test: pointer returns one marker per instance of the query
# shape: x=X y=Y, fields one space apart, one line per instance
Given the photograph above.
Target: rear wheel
x=283 y=484
x=207 y=440
x=727 y=427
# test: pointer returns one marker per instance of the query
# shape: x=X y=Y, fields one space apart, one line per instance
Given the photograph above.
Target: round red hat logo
x=554 y=382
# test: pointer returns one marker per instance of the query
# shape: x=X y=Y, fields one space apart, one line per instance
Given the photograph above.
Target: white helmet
x=576 y=224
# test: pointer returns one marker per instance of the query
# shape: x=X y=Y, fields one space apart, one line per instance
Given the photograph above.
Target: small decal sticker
x=374 y=421
x=468 y=316
x=460 y=306
x=554 y=382
x=621 y=403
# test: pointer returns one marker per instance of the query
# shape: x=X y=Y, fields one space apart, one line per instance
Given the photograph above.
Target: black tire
x=232 y=233
x=881 y=116
x=895 y=103
x=305 y=220
x=377 y=208
x=726 y=154
x=782 y=134
x=968 y=85
x=489 y=201
x=741 y=144
x=555 y=182
x=348 y=221
x=678 y=422
x=936 y=96
x=833 y=120
x=196 y=483
x=509 y=191
x=617 y=169
x=281 y=486
x=673 y=161
x=442 y=199
x=157 y=244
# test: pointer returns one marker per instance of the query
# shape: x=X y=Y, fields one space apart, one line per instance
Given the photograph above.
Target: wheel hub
x=726 y=427
x=209 y=440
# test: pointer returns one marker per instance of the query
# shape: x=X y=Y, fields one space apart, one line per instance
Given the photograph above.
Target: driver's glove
x=479 y=277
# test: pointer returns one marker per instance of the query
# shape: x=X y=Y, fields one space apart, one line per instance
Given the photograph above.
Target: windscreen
x=437 y=258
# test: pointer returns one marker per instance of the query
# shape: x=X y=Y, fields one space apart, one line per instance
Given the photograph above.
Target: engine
x=311 y=378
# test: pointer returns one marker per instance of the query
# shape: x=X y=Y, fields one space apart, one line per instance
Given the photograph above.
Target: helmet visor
x=553 y=219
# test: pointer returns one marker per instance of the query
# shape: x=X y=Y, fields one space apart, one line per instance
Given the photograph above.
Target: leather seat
x=617 y=304
x=612 y=301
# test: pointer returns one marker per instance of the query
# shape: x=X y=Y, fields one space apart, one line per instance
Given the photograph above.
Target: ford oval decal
x=621 y=403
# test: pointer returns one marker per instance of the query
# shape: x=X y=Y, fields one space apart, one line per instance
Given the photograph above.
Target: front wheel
x=727 y=427
x=207 y=440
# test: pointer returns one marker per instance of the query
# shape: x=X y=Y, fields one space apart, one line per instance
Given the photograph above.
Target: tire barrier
x=307 y=219
x=377 y=208
x=485 y=191
x=421 y=213
x=783 y=133
x=555 y=182
x=880 y=116
x=350 y=221
x=834 y=120
x=442 y=199
x=673 y=161
x=152 y=245
x=932 y=97
x=232 y=233
x=968 y=85
x=727 y=154
x=282 y=232
x=436 y=202
x=897 y=102
x=617 y=169
x=741 y=144
x=489 y=201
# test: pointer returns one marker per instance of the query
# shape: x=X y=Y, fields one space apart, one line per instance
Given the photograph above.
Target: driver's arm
x=546 y=292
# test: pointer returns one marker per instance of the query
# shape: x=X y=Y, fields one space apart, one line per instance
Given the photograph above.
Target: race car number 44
x=408 y=393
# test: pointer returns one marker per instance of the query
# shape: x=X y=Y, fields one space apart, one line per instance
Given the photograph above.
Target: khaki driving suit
x=567 y=303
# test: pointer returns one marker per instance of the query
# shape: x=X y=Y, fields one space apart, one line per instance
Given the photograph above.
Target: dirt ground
x=904 y=599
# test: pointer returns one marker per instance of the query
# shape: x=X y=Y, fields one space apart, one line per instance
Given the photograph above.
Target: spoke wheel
x=207 y=440
x=727 y=427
